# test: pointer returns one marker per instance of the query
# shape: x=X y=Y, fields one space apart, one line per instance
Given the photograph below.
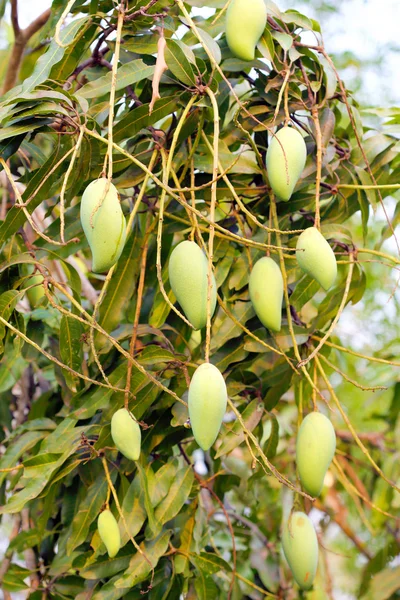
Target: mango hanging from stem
x=300 y=546
x=103 y=223
x=188 y=277
x=316 y=258
x=266 y=292
x=109 y=532
x=245 y=23
x=126 y=434
x=286 y=158
x=207 y=404
x=315 y=449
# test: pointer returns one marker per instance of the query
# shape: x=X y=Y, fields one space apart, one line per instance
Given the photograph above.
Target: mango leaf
x=139 y=118
x=8 y=301
x=127 y=74
x=15 y=450
x=182 y=558
x=106 y=566
x=175 y=499
x=133 y=509
x=71 y=350
x=120 y=289
x=178 y=63
x=383 y=584
x=88 y=511
x=235 y=436
x=161 y=483
x=139 y=568
x=210 y=563
x=272 y=442
x=53 y=55
x=36 y=191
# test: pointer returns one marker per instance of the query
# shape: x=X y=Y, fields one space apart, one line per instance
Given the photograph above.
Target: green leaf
x=175 y=499
x=127 y=74
x=205 y=586
x=161 y=483
x=210 y=563
x=8 y=301
x=88 y=511
x=133 y=509
x=120 y=289
x=38 y=188
x=139 y=118
x=383 y=584
x=71 y=351
x=144 y=476
x=284 y=39
x=272 y=442
x=139 y=568
x=235 y=436
x=178 y=63
x=15 y=450
x=305 y=289
x=53 y=55
x=182 y=558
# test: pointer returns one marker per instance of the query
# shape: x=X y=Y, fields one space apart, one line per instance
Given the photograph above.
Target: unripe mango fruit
x=103 y=223
x=266 y=292
x=245 y=23
x=109 y=532
x=286 y=158
x=316 y=258
x=207 y=404
x=126 y=434
x=188 y=276
x=315 y=449
x=36 y=293
x=300 y=546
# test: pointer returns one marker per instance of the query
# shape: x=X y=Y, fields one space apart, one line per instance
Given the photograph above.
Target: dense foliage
x=150 y=96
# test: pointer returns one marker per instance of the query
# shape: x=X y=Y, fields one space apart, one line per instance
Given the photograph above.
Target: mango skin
x=109 y=532
x=207 y=404
x=284 y=169
x=266 y=292
x=316 y=258
x=245 y=24
x=300 y=546
x=126 y=434
x=36 y=293
x=106 y=230
x=188 y=276
x=315 y=449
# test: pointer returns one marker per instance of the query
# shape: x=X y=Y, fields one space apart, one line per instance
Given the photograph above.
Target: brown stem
x=132 y=344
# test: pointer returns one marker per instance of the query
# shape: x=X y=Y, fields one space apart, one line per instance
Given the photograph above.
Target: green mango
x=109 y=532
x=245 y=24
x=315 y=449
x=126 y=434
x=316 y=258
x=105 y=228
x=188 y=277
x=36 y=293
x=207 y=404
x=286 y=159
x=300 y=545
x=266 y=292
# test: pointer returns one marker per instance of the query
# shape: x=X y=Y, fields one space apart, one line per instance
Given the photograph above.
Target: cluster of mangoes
x=315 y=449
x=104 y=225
x=127 y=437
x=286 y=157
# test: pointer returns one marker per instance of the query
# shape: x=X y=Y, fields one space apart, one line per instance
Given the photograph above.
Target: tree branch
x=21 y=38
